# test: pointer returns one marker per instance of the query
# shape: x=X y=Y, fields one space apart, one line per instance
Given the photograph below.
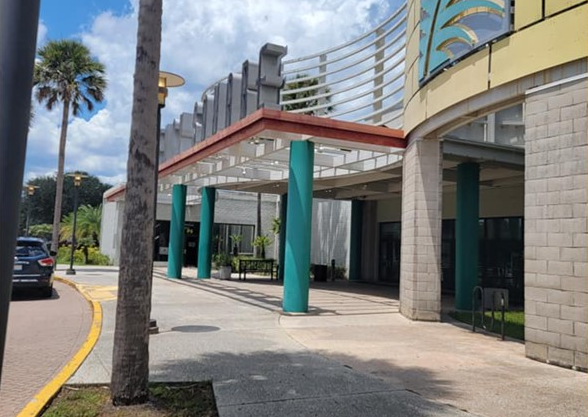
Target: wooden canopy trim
x=280 y=121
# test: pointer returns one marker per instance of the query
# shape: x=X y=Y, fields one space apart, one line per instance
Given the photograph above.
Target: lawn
x=514 y=322
x=194 y=399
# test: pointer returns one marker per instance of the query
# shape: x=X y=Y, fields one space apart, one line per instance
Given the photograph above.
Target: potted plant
x=262 y=242
x=223 y=263
x=236 y=239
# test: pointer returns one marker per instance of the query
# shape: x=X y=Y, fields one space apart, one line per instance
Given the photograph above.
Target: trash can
x=320 y=273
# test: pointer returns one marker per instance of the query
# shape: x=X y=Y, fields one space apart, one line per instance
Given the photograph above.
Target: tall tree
x=42 y=201
x=130 y=362
x=67 y=73
x=308 y=97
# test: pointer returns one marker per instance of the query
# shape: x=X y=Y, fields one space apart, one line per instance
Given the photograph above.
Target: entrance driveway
x=353 y=354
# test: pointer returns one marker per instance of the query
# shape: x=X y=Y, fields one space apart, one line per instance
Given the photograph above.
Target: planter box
x=225 y=272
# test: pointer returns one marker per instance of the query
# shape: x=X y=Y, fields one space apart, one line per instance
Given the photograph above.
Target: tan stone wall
x=556 y=170
x=420 y=253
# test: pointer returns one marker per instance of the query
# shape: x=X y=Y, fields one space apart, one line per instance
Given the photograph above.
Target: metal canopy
x=253 y=155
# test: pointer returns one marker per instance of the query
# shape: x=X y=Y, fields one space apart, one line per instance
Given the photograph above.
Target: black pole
x=71 y=270
x=28 y=224
x=19 y=20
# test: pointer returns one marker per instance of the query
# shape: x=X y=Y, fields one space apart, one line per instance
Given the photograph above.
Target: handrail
x=341 y=74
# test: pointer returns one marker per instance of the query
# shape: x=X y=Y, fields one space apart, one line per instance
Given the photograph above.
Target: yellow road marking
x=38 y=403
x=99 y=292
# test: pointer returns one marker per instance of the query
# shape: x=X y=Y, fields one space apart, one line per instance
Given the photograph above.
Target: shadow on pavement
x=293 y=384
x=20 y=294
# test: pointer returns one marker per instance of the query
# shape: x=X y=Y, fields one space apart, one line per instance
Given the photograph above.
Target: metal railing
x=360 y=81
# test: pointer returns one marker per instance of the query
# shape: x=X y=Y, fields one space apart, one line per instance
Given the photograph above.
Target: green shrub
x=97 y=258
x=64 y=255
x=94 y=256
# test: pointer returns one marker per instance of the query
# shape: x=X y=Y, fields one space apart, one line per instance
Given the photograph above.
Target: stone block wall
x=420 y=249
x=556 y=280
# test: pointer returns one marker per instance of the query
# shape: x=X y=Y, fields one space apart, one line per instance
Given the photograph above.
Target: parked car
x=33 y=266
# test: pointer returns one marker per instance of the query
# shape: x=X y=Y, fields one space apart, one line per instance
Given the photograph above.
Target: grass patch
x=194 y=399
x=514 y=322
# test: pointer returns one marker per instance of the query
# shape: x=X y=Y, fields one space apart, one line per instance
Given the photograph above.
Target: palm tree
x=67 y=73
x=87 y=227
x=130 y=358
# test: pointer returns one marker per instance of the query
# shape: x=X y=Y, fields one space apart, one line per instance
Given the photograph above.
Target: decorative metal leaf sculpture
x=441 y=26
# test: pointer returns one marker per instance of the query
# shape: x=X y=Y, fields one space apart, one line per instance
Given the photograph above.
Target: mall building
x=445 y=149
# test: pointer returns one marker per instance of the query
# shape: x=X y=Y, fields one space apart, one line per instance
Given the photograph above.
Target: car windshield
x=29 y=250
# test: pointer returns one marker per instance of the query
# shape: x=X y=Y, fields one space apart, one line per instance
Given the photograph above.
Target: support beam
x=283 y=222
x=176 y=232
x=466 y=233
x=205 y=238
x=355 y=240
x=298 y=228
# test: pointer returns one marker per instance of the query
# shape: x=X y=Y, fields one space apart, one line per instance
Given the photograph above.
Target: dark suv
x=33 y=266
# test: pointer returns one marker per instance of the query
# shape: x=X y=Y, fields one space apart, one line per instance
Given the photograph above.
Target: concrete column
x=467 y=214
x=298 y=228
x=420 y=258
x=205 y=238
x=355 y=244
x=176 y=232
x=283 y=222
x=556 y=241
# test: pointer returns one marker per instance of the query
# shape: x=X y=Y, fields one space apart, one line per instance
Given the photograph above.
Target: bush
x=64 y=255
x=97 y=258
x=94 y=256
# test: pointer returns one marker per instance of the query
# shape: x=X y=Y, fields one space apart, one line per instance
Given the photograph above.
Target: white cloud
x=203 y=41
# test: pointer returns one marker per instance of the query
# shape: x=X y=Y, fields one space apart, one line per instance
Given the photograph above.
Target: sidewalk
x=43 y=335
x=353 y=354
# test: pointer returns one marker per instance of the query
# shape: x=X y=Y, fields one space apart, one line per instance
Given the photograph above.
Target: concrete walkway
x=43 y=335
x=353 y=354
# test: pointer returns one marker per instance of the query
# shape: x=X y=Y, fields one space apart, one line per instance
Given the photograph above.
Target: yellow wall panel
x=527 y=12
x=415 y=112
x=464 y=80
x=552 y=42
x=554 y=6
x=411 y=84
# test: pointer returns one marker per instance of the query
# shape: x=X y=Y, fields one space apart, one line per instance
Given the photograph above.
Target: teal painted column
x=175 y=259
x=466 y=233
x=283 y=222
x=298 y=228
x=355 y=240
x=205 y=238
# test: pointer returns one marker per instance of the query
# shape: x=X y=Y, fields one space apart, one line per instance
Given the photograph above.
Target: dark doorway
x=191 y=236
x=389 y=270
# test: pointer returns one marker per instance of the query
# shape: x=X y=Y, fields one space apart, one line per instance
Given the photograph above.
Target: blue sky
x=203 y=41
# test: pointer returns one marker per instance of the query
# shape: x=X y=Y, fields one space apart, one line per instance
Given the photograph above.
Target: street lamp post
x=77 y=178
x=30 y=193
x=166 y=80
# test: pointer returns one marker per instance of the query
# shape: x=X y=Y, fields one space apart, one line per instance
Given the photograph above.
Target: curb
x=39 y=401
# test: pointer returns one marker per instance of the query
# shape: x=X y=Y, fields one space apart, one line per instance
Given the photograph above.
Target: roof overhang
x=253 y=154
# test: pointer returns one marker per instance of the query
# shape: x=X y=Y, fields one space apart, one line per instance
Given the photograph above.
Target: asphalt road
x=43 y=335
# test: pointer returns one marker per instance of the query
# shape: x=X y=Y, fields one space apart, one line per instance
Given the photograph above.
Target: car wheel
x=48 y=292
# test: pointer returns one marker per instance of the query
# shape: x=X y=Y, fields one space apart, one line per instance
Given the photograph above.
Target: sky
x=202 y=41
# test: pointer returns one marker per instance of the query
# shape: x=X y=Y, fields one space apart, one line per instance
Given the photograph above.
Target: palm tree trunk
x=130 y=362
x=59 y=177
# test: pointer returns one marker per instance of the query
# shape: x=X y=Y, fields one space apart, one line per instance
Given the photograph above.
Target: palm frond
x=441 y=27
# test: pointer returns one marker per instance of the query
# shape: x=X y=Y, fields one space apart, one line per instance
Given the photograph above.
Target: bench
x=256 y=265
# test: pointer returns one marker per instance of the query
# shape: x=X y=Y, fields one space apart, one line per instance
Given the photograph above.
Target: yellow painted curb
x=38 y=403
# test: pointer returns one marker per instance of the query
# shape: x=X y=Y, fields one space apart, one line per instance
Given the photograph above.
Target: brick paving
x=43 y=335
